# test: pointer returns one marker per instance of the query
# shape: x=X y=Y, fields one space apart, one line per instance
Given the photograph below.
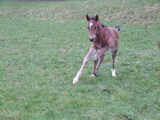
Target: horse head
x=92 y=27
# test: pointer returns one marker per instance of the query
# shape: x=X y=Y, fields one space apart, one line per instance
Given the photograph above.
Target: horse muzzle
x=91 y=39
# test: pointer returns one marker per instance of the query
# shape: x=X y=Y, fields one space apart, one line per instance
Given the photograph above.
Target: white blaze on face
x=90 y=25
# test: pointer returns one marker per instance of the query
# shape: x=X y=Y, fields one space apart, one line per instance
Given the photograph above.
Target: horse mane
x=103 y=25
x=101 y=29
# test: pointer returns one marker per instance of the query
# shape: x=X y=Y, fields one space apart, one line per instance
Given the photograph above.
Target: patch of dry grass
x=140 y=14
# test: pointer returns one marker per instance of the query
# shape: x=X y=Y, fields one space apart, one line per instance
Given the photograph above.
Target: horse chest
x=98 y=46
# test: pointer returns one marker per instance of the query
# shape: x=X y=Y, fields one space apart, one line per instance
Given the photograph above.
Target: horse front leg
x=85 y=61
x=98 y=60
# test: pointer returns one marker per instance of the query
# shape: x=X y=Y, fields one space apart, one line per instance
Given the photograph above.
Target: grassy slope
x=42 y=47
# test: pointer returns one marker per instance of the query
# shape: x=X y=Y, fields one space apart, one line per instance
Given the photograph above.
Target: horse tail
x=117 y=28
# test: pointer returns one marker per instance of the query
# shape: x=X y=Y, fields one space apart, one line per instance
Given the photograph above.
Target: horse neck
x=100 y=32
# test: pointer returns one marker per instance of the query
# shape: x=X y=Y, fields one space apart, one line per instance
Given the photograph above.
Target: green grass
x=42 y=46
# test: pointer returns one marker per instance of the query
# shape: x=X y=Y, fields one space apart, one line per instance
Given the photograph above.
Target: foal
x=102 y=38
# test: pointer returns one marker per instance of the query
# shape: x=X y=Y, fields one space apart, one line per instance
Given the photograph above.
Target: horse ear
x=97 y=18
x=87 y=17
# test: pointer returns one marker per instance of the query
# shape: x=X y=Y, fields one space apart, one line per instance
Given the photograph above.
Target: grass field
x=42 y=46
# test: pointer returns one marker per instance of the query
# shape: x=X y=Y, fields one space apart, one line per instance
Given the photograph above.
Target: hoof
x=113 y=72
x=75 y=82
x=113 y=75
x=95 y=75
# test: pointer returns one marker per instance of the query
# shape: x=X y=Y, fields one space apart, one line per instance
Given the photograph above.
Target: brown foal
x=102 y=38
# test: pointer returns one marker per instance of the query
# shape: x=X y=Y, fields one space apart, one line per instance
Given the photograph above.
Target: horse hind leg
x=113 y=62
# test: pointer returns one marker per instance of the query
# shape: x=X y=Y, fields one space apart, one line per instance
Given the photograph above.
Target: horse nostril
x=91 y=39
